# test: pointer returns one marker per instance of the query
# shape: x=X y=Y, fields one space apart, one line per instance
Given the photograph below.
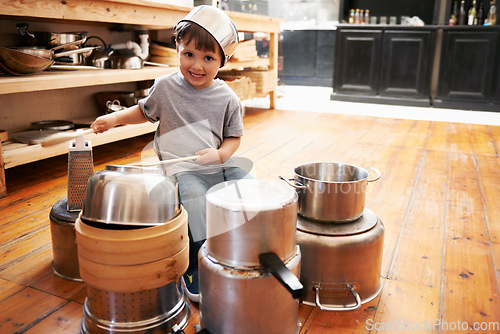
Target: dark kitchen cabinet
x=308 y=57
x=469 y=71
x=384 y=64
x=358 y=61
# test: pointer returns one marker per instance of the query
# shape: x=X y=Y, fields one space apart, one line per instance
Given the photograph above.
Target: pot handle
x=277 y=268
x=377 y=172
x=322 y=307
x=80 y=50
x=289 y=181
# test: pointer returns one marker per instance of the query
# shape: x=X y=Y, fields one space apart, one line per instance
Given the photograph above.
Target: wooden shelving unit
x=138 y=13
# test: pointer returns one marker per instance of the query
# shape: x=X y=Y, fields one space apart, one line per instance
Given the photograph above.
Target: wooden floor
x=439 y=199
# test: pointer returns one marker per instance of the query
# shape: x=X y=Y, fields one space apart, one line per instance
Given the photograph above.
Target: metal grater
x=80 y=169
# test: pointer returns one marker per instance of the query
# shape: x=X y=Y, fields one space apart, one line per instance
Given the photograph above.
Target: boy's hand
x=104 y=123
x=208 y=156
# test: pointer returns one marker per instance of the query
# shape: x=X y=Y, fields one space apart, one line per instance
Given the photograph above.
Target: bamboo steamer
x=141 y=277
x=133 y=260
x=130 y=247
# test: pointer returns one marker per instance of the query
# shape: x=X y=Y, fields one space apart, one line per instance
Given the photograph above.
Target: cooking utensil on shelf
x=33 y=137
x=52 y=125
x=19 y=61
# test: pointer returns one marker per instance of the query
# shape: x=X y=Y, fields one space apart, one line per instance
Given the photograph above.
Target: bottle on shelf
x=367 y=16
x=491 y=19
x=454 y=14
x=351 y=16
x=461 y=14
x=357 y=16
x=480 y=15
x=472 y=15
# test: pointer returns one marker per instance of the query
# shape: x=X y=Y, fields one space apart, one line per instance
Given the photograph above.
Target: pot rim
x=330 y=163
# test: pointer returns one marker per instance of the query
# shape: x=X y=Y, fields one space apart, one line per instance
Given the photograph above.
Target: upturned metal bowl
x=219 y=25
x=131 y=196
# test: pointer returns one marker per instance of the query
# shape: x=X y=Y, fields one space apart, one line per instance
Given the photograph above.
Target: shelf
x=15 y=154
x=58 y=79
x=146 y=14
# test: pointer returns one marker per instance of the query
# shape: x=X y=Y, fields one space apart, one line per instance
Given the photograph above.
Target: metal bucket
x=62 y=229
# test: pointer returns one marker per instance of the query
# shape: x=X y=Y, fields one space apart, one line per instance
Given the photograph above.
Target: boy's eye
x=188 y=54
x=208 y=58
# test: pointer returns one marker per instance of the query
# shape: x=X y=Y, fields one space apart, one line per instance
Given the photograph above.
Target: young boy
x=197 y=114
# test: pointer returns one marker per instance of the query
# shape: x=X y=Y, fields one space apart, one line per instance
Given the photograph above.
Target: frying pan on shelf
x=26 y=60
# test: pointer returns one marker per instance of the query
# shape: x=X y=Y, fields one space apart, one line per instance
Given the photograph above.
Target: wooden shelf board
x=59 y=79
x=148 y=14
x=260 y=62
x=15 y=154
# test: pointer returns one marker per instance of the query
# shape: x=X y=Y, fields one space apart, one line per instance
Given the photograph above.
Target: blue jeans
x=193 y=188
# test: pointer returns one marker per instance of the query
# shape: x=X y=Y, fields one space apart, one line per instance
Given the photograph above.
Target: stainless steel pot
x=246 y=218
x=251 y=238
x=130 y=195
x=246 y=300
x=219 y=25
x=330 y=191
x=341 y=263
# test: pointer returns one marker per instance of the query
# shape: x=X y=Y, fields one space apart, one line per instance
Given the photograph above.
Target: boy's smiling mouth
x=196 y=75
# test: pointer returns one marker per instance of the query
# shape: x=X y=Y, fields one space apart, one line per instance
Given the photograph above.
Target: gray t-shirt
x=191 y=119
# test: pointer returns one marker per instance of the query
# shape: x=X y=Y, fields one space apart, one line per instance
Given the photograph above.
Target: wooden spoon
x=62 y=137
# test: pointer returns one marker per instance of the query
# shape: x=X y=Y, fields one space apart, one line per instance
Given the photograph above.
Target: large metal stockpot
x=246 y=300
x=341 y=263
x=331 y=191
x=251 y=227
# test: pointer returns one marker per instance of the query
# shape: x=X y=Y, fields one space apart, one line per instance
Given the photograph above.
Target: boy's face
x=198 y=67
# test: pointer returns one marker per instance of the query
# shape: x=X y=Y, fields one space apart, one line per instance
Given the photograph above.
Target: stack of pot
x=250 y=263
x=341 y=240
x=132 y=249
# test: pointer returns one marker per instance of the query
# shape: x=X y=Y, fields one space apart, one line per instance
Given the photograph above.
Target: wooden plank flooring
x=438 y=199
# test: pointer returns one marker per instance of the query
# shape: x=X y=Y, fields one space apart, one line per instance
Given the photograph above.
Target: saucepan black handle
x=272 y=263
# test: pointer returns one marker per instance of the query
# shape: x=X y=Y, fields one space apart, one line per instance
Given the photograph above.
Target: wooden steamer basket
x=137 y=273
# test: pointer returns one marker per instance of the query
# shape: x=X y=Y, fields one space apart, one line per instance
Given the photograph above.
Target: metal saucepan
x=331 y=192
x=49 y=38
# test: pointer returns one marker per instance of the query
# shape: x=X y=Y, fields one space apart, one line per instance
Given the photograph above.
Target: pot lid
x=251 y=195
x=365 y=223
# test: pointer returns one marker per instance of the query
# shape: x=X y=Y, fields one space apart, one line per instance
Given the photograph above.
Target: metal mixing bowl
x=130 y=195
